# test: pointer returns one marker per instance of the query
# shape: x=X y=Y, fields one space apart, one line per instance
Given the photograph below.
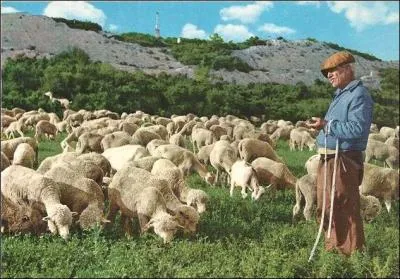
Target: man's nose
x=330 y=74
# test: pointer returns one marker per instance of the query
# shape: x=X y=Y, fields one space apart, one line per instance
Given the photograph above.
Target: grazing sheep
x=393 y=141
x=387 y=132
x=218 y=131
x=115 y=139
x=250 y=149
x=63 y=102
x=24 y=155
x=127 y=127
x=300 y=137
x=119 y=156
x=201 y=137
x=177 y=139
x=9 y=146
x=196 y=198
x=22 y=218
x=381 y=151
x=281 y=132
x=44 y=127
x=185 y=160
x=135 y=196
x=145 y=163
x=89 y=141
x=15 y=126
x=204 y=153
x=377 y=136
x=382 y=183
x=4 y=161
x=222 y=157
x=282 y=173
x=21 y=184
x=153 y=144
x=312 y=164
x=370 y=207
x=243 y=175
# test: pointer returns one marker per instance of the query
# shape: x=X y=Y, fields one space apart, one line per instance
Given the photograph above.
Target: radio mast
x=157 y=28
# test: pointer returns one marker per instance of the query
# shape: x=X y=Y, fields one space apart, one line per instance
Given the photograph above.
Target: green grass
x=235 y=238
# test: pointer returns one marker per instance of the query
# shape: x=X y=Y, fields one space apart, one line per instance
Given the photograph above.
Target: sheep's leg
x=388 y=204
x=127 y=225
x=244 y=194
x=308 y=209
x=217 y=177
x=143 y=220
x=232 y=187
x=297 y=206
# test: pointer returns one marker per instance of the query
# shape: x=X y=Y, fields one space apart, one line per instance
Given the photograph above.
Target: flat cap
x=336 y=59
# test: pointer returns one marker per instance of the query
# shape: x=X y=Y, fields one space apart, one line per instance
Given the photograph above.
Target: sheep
x=380 y=151
x=373 y=128
x=306 y=187
x=300 y=137
x=143 y=136
x=204 y=153
x=185 y=160
x=281 y=132
x=6 y=120
x=393 y=141
x=135 y=196
x=46 y=128
x=187 y=129
x=279 y=170
x=63 y=102
x=22 y=218
x=250 y=149
x=145 y=163
x=32 y=120
x=73 y=136
x=115 y=139
x=241 y=132
x=153 y=144
x=89 y=141
x=222 y=157
x=4 y=161
x=16 y=126
x=24 y=155
x=377 y=136
x=159 y=130
x=177 y=139
x=201 y=137
x=387 y=132
x=382 y=183
x=268 y=128
x=119 y=156
x=196 y=198
x=9 y=146
x=311 y=164
x=23 y=184
x=127 y=127
x=243 y=175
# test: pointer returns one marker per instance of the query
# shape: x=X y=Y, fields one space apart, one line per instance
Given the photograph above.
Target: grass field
x=235 y=238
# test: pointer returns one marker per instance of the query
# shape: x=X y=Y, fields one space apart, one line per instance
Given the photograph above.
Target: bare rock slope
x=279 y=61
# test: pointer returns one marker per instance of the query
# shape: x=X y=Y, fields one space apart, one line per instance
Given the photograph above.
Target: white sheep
x=311 y=164
x=89 y=141
x=280 y=171
x=153 y=144
x=204 y=153
x=115 y=139
x=145 y=163
x=131 y=192
x=15 y=126
x=177 y=139
x=243 y=175
x=166 y=169
x=63 y=102
x=44 y=127
x=119 y=156
x=24 y=155
x=9 y=146
x=300 y=137
x=250 y=149
x=383 y=152
x=382 y=183
x=222 y=157
x=143 y=136
x=5 y=162
x=387 y=132
x=21 y=184
x=201 y=137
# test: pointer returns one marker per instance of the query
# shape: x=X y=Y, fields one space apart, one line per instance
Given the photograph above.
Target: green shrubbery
x=77 y=24
x=362 y=54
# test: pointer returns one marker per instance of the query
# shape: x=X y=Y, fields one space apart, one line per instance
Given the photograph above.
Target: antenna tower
x=157 y=28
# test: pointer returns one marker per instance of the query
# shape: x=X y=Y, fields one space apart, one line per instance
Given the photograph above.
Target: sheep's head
x=257 y=194
x=165 y=227
x=210 y=178
x=27 y=220
x=188 y=218
x=59 y=220
x=91 y=216
x=370 y=207
x=197 y=199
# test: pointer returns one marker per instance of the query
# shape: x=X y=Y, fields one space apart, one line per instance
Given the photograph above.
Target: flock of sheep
x=139 y=164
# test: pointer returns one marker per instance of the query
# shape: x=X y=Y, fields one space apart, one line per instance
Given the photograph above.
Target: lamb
x=380 y=151
x=300 y=137
x=22 y=218
x=222 y=157
x=185 y=160
x=4 y=161
x=382 y=183
x=306 y=187
x=135 y=196
x=115 y=139
x=21 y=184
x=119 y=156
x=196 y=198
x=250 y=149
x=243 y=175
x=282 y=173
x=24 y=155
x=44 y=127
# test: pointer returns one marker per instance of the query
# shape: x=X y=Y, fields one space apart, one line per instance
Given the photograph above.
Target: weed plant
x=236 y=238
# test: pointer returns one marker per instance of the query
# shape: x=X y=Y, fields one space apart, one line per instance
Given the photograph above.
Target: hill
x=277 y=61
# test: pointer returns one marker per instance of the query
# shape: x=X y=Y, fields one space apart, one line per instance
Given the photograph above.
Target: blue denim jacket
x=349 y=118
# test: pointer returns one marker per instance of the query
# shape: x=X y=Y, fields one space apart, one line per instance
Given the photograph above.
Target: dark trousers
x=347 y=232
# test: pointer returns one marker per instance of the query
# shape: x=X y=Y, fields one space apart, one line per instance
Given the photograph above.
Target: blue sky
x=370 y=27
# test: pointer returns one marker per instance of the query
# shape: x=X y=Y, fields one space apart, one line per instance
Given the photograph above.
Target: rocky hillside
x=280 y=61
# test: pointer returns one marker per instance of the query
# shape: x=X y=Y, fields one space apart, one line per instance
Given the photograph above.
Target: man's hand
x=316 y=123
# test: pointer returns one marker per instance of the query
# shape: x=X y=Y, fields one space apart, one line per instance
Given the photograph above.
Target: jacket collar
x=349 y=87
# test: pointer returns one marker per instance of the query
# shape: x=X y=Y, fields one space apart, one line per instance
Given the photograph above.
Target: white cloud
x=304 y=3
x=80 y=10
x=275 y=29
x=364 y=14
x=112 y=27
x=246 y=14
x=8 y=10
x=191 y=31
x=231 y=32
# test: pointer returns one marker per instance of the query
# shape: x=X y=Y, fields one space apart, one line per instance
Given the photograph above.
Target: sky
x=367 y=26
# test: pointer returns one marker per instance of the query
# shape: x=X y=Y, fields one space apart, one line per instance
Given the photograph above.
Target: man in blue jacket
x=341 y=141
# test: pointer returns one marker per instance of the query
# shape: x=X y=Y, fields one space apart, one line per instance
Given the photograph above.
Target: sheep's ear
x=47 y=218
x=74 y=213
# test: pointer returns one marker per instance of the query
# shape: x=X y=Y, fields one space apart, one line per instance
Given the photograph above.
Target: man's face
x=340 y=76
